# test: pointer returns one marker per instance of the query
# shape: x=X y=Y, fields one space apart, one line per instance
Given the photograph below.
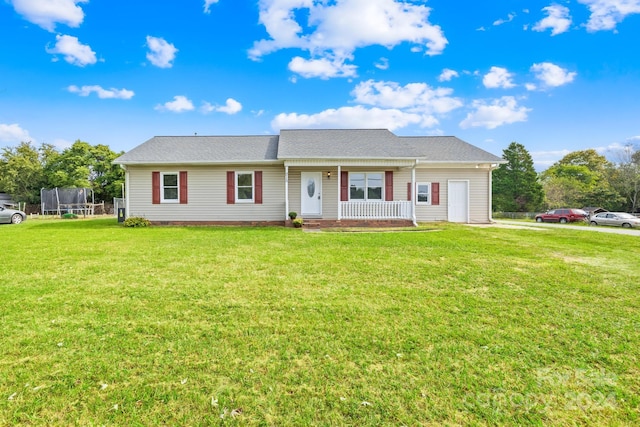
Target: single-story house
x=328 y=176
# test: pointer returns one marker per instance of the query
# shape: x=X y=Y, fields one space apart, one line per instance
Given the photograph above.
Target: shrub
x=293 y=215
x=297 y=222
x=136 y=221
x=69 y=215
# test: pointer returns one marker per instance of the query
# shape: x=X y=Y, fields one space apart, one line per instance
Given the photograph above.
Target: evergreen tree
x=515 y=183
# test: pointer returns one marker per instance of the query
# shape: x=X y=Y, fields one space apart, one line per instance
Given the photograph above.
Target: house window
x=365 y=186
x=170 y=187
x=244 y=187
x=423 y=193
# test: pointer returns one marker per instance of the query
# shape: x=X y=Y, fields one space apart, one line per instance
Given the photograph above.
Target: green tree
x=625 y=178
x=581 y=178
x=84 y=165
x=515 y=184
x=22 y=170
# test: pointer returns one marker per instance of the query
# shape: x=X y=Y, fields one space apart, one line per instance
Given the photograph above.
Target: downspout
x=126 y=192
x=413 y=195
x=491 y=168
x=339 y=188
x=286 y=192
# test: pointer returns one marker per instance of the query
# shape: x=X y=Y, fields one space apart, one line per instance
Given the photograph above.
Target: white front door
x=311 y=191
x=458 y=201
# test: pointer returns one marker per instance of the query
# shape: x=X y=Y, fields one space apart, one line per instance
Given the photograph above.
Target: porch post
x=490 y=196
x=413 y=195
x=286 y=192
x=339 y=187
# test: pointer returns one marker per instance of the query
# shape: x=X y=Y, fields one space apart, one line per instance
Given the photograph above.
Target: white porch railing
x=375 y=210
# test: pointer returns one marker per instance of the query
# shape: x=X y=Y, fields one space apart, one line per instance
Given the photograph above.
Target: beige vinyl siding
x=478 y=193
x=478 y=190
x=207 y=195
x=330 y=190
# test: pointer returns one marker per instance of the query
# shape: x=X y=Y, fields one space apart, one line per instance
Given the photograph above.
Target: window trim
x=430 y=194
x=366 y=187
x=162 y=187
x=253 y=186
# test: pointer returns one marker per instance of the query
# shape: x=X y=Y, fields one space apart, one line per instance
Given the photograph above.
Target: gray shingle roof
x=448 y=149
x=299 y=144
x=203 y=149
x=376 y=144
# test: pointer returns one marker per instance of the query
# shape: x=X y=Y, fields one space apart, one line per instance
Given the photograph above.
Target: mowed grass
x=448 y=325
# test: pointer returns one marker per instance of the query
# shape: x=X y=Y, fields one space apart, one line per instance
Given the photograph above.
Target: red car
x=562 y=215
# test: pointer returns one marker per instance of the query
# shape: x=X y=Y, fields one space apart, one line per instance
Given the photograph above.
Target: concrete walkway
x=593 y=228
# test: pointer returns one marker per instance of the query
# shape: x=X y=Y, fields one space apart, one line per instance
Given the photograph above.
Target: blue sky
x=555 y=76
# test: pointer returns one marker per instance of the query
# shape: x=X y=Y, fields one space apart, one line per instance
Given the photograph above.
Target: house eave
x=200 y=163
x=394 y=162
x=349 y=162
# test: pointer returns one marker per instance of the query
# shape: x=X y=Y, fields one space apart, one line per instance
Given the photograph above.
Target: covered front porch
x=322 y=193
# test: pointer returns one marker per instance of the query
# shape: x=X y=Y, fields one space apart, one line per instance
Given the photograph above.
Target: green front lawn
x=104 y=325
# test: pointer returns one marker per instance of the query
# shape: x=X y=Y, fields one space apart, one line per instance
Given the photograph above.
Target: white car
x=11 y=216
x=620 y=219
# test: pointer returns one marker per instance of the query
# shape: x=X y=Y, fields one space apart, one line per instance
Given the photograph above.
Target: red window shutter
x=435 y=193
x=231 y=187
x=258 y=184
x=183 y=187
x=344 y=186
x=409 y=192
x=388 y=186
x=155 y=188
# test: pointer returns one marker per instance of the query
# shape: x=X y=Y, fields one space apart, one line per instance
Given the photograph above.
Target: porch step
x=311 y=225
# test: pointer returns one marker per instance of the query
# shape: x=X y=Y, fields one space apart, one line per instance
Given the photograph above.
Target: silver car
x=11 y=216
x=621 y=219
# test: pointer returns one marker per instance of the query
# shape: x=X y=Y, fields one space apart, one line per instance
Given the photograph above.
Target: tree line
x=579 y=179
x=26 y=169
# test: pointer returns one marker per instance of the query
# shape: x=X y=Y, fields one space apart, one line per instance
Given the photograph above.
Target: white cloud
x=334 y=30
x=231 y=107
x=161 y=53
x=348 y=117
x=544 y=159
x=558 y=20
x=552 y=75
x=381 y=104
x=447 y=75
x=324 y=68
x=504 y=21
x=606 y=14
x=13 y=133
x=102 y=93
x=74 y=52
x=47 y=13
x=179 y=104
x=207 y=5
x=413 y=97
x=61 y=144
x=498 y=77
x=382 y=64
x=496 y=113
